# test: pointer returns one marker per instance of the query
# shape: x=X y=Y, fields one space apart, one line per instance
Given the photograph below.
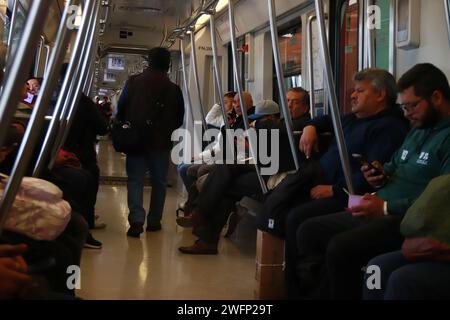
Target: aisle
x=151 y=267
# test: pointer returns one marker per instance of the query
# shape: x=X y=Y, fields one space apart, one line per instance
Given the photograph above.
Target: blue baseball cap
x=265 y=108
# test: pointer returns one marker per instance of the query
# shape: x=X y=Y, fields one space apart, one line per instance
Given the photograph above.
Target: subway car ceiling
x=132 y=27
x=153 y=22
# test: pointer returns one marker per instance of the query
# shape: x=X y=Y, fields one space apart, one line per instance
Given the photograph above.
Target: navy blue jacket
x=375 y=137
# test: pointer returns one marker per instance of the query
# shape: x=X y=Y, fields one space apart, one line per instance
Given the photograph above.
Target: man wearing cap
x=226 y=185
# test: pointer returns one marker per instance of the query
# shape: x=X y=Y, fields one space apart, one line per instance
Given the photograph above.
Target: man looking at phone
x=343 y=243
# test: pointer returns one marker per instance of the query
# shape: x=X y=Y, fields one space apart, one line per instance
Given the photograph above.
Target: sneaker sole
x=91 y=246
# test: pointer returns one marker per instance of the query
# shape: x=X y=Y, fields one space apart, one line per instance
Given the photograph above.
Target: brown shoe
x=199 y=247
x=189 y=221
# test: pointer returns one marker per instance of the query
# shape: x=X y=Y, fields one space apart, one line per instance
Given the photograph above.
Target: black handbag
x=125 y=137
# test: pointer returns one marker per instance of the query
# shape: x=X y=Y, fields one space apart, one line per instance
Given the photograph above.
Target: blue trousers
x=157 y=162
x=405 y=280
x=182 y=171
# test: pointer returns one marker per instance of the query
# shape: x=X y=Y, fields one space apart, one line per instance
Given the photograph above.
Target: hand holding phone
x=374 y=174
x=363 y=162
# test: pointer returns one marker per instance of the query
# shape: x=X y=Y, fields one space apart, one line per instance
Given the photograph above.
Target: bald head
x=248 y=101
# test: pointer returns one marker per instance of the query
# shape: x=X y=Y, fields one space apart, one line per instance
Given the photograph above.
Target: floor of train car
x=151 y=267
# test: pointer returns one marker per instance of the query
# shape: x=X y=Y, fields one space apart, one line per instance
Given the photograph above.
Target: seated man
x=340 y=244
x=228 y=184
x=214 y=118
x=421 y=270
x=375 y=128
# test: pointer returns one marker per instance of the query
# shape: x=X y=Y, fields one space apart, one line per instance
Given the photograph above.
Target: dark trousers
x=94 y=179
x=296 y=216
x=245 y=184
x=343 y=245
x=405 y=280
x=79 y=189
x=220 y=182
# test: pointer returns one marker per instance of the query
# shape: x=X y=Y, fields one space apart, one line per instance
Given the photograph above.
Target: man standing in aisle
x=154 y=105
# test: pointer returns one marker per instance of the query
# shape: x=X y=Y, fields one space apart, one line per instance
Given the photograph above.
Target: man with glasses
x=341 y=244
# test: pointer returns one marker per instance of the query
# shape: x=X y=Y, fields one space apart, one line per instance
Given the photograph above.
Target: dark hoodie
x=151 y=97
x=376 y=137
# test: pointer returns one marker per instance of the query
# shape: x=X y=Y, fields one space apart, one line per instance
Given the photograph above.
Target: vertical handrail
x=47 y=56
x=187 y=94
x=281 y=84
x=38 y=56
x=392 y=37
x=196 y=80
x=370 y=38
x=241 y=93
x=312 y=93
x=447 y=16
x=17 y=75
x=325 y=54
x=79 y=80
x=212 y=26
x=64 y=94
x=11 y=28
x=361 y=35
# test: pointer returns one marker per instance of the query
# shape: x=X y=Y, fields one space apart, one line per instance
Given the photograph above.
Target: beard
x=431 y=117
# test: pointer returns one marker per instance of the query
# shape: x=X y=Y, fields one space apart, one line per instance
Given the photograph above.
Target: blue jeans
x=158 y=164
x=182 y=171
x=405 y=280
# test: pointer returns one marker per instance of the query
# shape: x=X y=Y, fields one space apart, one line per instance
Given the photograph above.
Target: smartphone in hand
x=363 y=162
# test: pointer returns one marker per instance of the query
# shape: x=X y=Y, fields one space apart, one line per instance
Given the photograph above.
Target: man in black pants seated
x=333 y=249
x=229 y=183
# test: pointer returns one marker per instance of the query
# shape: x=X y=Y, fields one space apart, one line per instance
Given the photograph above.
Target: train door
x=365 y=38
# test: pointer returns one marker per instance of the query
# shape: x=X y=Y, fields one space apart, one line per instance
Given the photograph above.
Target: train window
x=18 y=26
x=348 y=51
x=382 y=43
x=290 y=44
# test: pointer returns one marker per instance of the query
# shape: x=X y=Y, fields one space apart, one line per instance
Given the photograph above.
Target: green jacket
x=424 y=155
x=429 y=216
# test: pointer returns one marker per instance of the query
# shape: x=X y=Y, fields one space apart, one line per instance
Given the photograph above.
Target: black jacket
x=155 y=105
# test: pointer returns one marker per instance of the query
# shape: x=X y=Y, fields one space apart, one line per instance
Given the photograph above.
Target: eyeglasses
x=408 y=107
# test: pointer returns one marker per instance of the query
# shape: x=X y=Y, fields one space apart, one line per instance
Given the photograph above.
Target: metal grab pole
x=370 y=36
x=280 y=78
x=63 y=97
x=312 y=93
x=79 y=80
x=212 y=25
x=196 y=81
x=47 y=56
x=74 y=88
x=16 y=78
x=241 y=94
x=34 y=128
x=446 y=14
x=392 y=36
x=325 y=54
x=38 y=56
x=185 y=81
x=11 y=28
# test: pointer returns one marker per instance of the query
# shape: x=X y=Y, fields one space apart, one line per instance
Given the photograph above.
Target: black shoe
x=91 y=243
x=135 y=230
x=152 y=228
